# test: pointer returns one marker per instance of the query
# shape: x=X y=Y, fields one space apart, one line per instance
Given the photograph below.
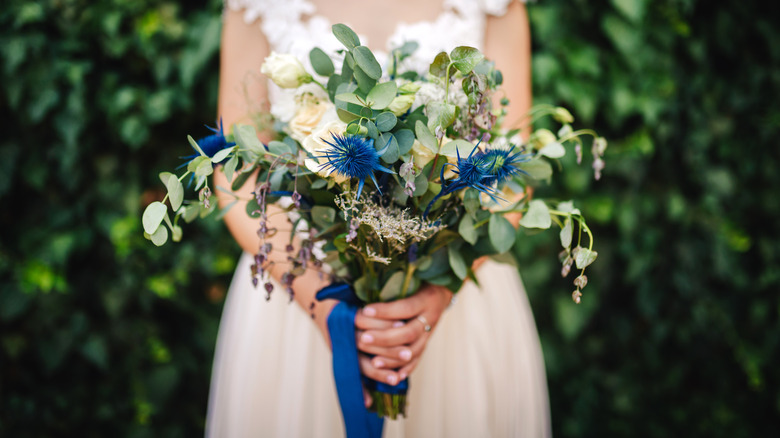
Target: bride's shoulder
x=270 y=9
x=495 y=7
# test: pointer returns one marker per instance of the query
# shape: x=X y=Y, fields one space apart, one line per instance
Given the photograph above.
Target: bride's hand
x=397 y=349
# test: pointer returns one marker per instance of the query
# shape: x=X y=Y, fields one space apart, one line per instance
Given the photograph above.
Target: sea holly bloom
x=471 y=172
x=354 y=156
x=211 y=144
x=502 y=163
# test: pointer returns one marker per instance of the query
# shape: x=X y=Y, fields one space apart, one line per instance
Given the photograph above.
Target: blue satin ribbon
x=358 y=421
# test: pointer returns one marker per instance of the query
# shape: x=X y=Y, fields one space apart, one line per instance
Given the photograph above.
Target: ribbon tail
x=359 y=422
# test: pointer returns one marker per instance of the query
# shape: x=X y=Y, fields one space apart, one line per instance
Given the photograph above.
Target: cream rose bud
x=315 y=145
x=308 y=117
x=401 y=104
x=285 y=70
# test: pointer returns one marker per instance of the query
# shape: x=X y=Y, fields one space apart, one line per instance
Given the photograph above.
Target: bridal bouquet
x=389 y=179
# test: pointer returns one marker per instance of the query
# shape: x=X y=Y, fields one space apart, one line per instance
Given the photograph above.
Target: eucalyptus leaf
x=195 y=145
x=365 y=82
x=361 y=286
x=467 y=230
x=242 y=177
x=323 y=216
x=372 y=129
x=321 y=62
x=568 y=207
x=318 y=184
x=246 y=138
x=190 y=212
x=278 y=148
x=153 y=216
x=351 y=98
x=425 y=137
x=160 y=236
x=392 y=153
x=420 y=185
x=367 y=62
x=164 y=177
x=193 y=165
x=386 y=121
x=405 y=138
x=221 y=155
x=566 y=233
x=553 y=150
x=381 y=95
x=175 y=192
x=457 y=263
x=230 y=167
x=455 y=147
x=393 y=286
x=466 y=58
x=538 y=169
x=584 y=257
x=501 y=232
x=346 y=36
x=537 y=216
x=205 y=168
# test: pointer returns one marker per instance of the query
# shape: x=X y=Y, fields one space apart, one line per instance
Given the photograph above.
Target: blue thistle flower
x=211 y=144
x=472 y=172
x=502 y=164
x=354 y=157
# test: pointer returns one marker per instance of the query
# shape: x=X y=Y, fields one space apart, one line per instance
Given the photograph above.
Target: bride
x=479 y=372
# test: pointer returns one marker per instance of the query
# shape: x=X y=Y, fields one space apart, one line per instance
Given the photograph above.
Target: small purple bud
x=409 y=188
x=578 y=151
x=581 y=281
x=289 y=248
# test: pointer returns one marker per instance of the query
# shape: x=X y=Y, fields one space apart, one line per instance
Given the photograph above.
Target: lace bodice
x=295 y=27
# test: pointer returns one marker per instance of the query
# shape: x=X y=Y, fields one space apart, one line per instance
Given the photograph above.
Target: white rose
x=308 y=118
x=285 y=70
x=428 y=92
x=315 y=145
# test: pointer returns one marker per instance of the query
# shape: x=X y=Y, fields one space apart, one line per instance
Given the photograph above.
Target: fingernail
x=369 y=311
x=379 y=363
x=398 y=324
x=367 y=338
x=406 y=354
x=402 y=375
x=392 y=379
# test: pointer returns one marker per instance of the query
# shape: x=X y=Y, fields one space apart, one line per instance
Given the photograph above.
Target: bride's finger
x=380 y=375
x=401 y=354
x=392 y=337
x=407 y=369
x=363 y=322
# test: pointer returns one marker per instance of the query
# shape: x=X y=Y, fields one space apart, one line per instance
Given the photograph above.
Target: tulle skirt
x=482 y=374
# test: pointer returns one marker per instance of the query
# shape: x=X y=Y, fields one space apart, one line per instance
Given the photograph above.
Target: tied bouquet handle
x=388 y=180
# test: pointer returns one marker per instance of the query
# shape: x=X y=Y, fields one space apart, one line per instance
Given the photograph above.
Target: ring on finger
x=426 y=325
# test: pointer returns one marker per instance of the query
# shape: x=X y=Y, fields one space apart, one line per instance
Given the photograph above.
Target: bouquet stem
x=388 y=405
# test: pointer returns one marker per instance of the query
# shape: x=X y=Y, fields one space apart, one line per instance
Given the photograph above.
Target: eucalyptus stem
x=577 y=133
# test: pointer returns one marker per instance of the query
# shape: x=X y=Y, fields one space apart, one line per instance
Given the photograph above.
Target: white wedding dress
x=482 y=374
